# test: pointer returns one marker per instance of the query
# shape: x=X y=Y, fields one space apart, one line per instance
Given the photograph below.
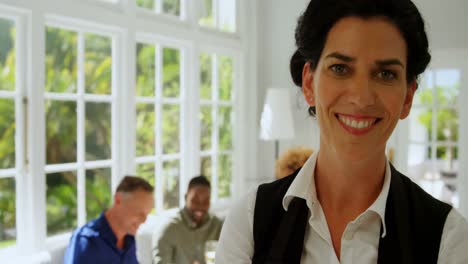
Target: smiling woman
x=357 y=64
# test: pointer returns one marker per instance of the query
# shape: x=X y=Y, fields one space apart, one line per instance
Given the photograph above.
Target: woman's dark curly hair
x=320 y=16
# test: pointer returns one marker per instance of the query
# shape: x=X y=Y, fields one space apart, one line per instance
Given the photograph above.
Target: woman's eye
x=339 y=69
x=387 y=75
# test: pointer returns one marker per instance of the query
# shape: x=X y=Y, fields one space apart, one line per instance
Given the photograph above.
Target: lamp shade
x=276 y=122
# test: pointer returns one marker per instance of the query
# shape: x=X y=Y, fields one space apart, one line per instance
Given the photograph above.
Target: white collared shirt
x=360 y=240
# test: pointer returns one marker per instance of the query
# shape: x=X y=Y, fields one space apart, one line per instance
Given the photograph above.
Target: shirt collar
x=380 y=203
x=303 y=186
x=106 y=232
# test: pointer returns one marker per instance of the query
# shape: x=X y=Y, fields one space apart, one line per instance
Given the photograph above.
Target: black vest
x=414 y=224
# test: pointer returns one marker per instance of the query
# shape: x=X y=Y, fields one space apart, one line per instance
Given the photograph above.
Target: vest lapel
x=288 y=243
x=396 y=247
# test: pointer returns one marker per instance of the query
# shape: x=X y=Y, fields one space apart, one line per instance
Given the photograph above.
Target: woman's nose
x=361 y=92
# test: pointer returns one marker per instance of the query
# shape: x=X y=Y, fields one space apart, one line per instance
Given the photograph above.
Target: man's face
x=197 y=202
x=135 y=207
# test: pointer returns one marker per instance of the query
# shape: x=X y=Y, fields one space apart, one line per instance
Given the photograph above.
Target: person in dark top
x=357 y=63
x=110 y=237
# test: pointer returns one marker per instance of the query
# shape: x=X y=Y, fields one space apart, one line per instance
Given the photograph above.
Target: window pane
x=60 y=131
x=227 y=15
x=145 y=70
x=206 y=126
x=224 y=176
x=205 y=167
x=61 y=61
x=225 y=128
x=448 y=86
x=7 y=55
x=61 y=202
x=205 y=76
x=145 y=130
x=146 y=171
x=171 y=7
x=447 y=157
x=7 y=133
x=98 y=131
x=98 y=192
x=171 y=183
x=447 y=124
x=98 y=64
x=171 y=72
x=225 y=78
x=207 y=18
x=171 y=129
x=149 y=4
x=420 y=123
x=419 y=161
x=7 y=212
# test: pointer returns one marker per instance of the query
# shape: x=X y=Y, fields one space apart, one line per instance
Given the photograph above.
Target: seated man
x=183 y=240
x=110 y=237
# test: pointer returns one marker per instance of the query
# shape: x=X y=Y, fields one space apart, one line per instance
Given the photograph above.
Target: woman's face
x=359 y=86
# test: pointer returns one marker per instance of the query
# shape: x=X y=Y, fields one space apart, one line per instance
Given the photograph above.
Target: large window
x=8 y=130
x=78 y=109
x=216 y=121
x=159 y=96
x=94 y=90
x=433 y=136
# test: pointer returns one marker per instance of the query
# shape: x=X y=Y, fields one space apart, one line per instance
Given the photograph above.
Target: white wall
x=276 y=23
x=446 y=27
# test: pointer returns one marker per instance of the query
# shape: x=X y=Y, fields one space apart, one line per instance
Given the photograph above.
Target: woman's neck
x=352 y=185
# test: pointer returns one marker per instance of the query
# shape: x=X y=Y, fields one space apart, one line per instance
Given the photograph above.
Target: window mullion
x=20 y=136
x=215 y=132
x=215 y=9
x=34 y=224
x=81 y=185
x=158 y=127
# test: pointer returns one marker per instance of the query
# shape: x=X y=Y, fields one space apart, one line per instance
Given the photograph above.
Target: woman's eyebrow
x=389 y=62
x=340 y=56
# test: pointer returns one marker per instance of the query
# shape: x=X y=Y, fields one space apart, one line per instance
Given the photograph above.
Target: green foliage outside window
x=7 y=133
x=170 y=7
x=207 y=18
x=446 y=119
x=61 y=125
x=98 y=192
x=61 y=202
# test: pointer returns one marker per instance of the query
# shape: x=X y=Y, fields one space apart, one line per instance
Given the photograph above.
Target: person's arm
x=76 y=252
x=454 y=241
x=236 y=243
x=164 y=251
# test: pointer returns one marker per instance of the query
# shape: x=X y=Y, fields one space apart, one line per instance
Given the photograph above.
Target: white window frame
x=158 y=14
x=159 y=43
x=215 y=103
x=216 y=27
x=81 y=98
x=19 y=18
x=446 y=58
x=435 y=107
x=126 y=22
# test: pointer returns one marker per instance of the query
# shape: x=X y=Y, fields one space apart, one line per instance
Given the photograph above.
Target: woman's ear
x=408 y=99
x=308 y=84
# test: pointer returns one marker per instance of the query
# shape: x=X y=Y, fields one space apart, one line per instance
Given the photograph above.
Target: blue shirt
x=95 y=242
